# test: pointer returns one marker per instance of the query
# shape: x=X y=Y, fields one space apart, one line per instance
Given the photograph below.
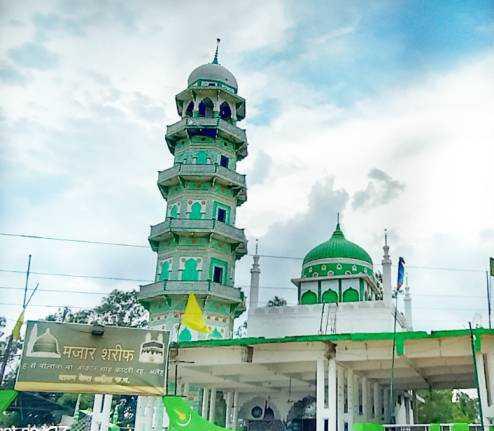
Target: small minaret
x=255 y=273
x=407 y=300
x=386 y=271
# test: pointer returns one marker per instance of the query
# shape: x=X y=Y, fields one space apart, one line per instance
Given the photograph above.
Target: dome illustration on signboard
x=152 y=351
x=43 y=346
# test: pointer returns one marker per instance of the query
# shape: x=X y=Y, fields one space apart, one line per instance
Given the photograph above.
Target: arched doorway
x=350 y=295
x=308 y=297
x=225 y=111
x=206 y=108
x=330 y=296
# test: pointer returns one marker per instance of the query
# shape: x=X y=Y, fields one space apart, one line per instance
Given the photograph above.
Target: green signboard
x=66 y=357
x=491 y=261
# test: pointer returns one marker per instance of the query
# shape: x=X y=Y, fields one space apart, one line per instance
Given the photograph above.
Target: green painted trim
x=359 y=337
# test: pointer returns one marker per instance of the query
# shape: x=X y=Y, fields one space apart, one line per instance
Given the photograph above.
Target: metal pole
x=391 y=380
x=472 y=345
x=489 y=307
x=5 y=360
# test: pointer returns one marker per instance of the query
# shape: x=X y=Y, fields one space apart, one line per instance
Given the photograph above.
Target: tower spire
x=215 y=59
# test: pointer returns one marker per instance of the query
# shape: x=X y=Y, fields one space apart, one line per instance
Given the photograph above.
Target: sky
x=382 y=111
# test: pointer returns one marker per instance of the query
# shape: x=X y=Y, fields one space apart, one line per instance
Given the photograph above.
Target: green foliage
x=446 y=406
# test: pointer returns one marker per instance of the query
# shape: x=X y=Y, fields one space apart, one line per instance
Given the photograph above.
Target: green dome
x=337 y=247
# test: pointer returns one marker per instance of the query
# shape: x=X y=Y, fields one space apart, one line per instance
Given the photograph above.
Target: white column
x=365 y=400
x=228 y=412
x=377 y=403
x=106 y=411
x=320 y=401
x=205 y=403
x=235 y=410
x=386 y=404
x=407 y=301
x=96 y=416
x=479 y=357
x=330 y=413
x=158 y=411
x=212 y=405
x=340 y=392
x=350 y=393
x=139 y=414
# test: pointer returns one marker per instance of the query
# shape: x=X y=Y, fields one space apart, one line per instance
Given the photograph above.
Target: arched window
x=225 y=111
x=308 y=297
x=190 y=272
x=174 y=211
x=185 y=335
x=350 y=295
x=330 y=296
x=206 y=108
x=165 y=270
x=190 y=109
x=195 y=211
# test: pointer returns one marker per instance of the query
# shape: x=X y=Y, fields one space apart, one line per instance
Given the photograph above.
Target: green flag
x=7 y=396
x=182 y=418
x=491 y=260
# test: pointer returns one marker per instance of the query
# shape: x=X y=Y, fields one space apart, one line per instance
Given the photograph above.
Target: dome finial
x=215 y=59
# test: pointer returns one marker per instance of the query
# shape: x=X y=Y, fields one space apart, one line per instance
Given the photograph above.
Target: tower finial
x=215 y=59
x=386 y=237
x=257 y=246
x=338 y=218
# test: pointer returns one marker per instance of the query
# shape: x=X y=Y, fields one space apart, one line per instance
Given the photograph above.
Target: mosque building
x=321 y=364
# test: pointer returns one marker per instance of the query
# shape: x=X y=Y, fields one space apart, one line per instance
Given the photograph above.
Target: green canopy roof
x=337 y=247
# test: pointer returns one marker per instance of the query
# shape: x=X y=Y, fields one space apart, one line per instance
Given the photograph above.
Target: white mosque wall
x=350 y=317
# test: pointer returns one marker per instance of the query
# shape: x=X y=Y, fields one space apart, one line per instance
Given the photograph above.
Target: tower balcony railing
x=206 y=170
x=231 y=233
x=208 y=126
x=202 y=287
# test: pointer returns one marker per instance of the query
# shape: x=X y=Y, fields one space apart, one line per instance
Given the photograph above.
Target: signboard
x=66 y=357
x=491 y=260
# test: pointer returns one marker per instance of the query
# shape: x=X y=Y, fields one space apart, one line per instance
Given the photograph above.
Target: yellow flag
x=193 y=317
x=16 y=332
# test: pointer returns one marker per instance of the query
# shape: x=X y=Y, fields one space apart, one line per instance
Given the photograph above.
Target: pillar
x=212 y=405
x=158 y=411
x=340 y=392
x=407 y=301
x=105 y=412
x=377 y=402
x=332 y=406
x=365 y=400
x=320 y=401
x=228 y=413
x=205 y=403
x=479 y=357
x=350 y=393
x=386 y=405
x=235 y=410
x=96 y=417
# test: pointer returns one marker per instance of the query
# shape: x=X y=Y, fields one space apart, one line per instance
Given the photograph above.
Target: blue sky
x=379 y=110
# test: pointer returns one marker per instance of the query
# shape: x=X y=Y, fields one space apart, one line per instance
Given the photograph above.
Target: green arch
x=308 y=297
x=165 y=270
x=190 y=272
x=185 y=335
x=195 y=211
x=216 y=333
x=174 y=211
x=351 y=295
x=330 y=296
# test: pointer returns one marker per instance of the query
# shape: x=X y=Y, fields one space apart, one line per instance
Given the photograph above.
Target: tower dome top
x=213 y=73
x=337 y=247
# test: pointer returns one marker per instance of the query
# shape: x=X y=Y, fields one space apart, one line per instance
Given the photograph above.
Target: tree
x=277 y=301
x=446 y=406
